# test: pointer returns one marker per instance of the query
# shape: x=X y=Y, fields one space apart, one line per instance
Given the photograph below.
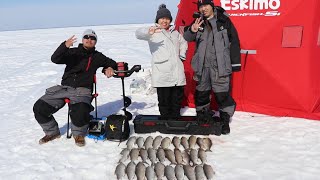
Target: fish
x=152 y=155
x=194 y=156
x=192 y=141
x=202 y=155
x=165 y=143
x=134 y=154
x=148 y=142
x=200 y=141
x=161 y=155
x=179 y=172
x=159 y=169
x=208 y=171
x=124 y=150
x=131 y=141
x=185 y=157
x=189 y=172
x=140 y=171
x=120 y=171
x=150 y=174
x=144 y=155
x=207 y=144
x=169 y=173
x=178 y=156
x=125 y=155
x=170 y=156
x=184 y=142
x=140 y=142
x=199 y=173
x=130 y=170
x=156 y=142
x=176 y=142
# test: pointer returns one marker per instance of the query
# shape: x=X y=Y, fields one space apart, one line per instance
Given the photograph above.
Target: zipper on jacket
x=89 y=62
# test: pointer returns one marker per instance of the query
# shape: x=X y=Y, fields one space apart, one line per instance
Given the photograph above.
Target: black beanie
x=163 y=12
x=203 y=2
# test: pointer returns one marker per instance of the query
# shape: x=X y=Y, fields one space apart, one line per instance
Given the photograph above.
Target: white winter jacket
x=165 y=47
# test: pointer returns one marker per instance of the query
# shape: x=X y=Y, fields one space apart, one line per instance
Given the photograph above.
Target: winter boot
x=48 y=138
x=174 y=114
x=205 y=116
x=225 y=120
x=79 y=140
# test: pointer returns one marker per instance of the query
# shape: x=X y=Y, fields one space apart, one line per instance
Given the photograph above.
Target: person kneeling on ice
x=81 y=63
x=168 y=49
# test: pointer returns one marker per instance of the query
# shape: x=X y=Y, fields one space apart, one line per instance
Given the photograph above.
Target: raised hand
x=154 y=29
x=70 y=41
x=195 y=26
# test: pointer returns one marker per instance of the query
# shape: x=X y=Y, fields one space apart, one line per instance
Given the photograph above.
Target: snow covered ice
x=259 y=146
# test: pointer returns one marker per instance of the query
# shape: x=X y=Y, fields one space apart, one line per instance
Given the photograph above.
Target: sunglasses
x=90 y=37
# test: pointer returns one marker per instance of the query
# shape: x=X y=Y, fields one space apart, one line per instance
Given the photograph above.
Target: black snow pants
x=53 y=100
x=170 y=99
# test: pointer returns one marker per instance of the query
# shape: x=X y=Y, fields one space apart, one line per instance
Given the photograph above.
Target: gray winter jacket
x=166 y=48
x=226 y=45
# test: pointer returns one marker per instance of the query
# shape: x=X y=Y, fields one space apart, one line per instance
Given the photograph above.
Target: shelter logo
x=252 y=7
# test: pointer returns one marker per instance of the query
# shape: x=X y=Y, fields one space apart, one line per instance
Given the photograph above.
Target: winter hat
x=90 y=32
x=203 y=2
x=163 y=12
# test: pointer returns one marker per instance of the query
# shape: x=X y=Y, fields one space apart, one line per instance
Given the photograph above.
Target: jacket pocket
x=163 y=67
x=161 y=56
x=52 y=90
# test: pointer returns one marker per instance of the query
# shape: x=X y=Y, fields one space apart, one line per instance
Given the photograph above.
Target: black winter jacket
x=81 y=63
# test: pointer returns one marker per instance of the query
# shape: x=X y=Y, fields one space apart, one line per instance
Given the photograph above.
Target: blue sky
x=33 y=14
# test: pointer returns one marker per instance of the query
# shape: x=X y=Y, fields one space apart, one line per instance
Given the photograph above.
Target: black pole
x=95 y=99
x=123 y=94
x=68 y=125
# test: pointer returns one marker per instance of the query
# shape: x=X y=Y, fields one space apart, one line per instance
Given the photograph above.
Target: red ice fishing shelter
x=280 y=42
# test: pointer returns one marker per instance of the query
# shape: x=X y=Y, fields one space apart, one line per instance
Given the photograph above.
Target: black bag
x=117 y=128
